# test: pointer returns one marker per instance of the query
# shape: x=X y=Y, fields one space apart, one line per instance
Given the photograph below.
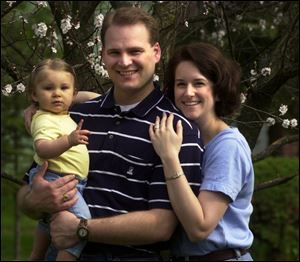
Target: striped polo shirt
x=125 y=173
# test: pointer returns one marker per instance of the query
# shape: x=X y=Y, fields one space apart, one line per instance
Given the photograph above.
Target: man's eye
x=113 y=53
x=136 y=52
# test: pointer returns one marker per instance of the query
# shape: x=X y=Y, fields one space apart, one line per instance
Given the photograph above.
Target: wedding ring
x=65 y=197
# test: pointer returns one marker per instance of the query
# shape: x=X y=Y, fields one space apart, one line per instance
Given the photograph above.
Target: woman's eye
x=198 y=84
x=180 y=84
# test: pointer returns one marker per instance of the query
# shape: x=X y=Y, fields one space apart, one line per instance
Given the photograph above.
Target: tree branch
x=9 y=8
x=274 y=182
x=13 y=179
x=274 y=146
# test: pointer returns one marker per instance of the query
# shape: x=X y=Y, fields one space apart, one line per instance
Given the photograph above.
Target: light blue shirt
x=227 y=168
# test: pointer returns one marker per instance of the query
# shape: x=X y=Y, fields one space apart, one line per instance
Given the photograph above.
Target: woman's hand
x=165 y=140
x=28 y=114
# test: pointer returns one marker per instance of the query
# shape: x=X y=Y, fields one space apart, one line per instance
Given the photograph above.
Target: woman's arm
x=199 y=216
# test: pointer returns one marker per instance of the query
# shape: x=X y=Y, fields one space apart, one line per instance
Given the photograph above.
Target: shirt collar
x=142 y=108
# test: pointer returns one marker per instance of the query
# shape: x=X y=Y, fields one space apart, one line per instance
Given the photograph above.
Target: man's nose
x=125 y=60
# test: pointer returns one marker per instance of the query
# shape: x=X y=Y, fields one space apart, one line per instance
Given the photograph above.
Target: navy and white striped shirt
x=125 y=173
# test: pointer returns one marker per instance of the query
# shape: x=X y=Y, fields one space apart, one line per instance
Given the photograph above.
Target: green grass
x=27 y=227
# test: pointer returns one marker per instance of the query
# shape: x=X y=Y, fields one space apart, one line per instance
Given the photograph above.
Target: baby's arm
x=53 y=148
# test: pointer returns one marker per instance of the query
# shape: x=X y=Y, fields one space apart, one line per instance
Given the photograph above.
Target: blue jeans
x=80 y=208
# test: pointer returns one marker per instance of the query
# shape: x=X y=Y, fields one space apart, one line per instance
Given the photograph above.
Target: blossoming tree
x=263 y=36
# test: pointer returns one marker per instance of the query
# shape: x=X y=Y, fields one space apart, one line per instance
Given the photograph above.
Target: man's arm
x=83 y=96
x=47 y=197
x=134 y=228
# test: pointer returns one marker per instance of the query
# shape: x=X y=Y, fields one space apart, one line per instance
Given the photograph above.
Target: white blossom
x=54 y=35
x=253 y=72
x=24 y=19
x=270 y=121
x=42 y=3
x=186 y=23
x=77 y=26
x=99 y=69
x=66 y=24
x=89 y=44
x=283 y=109
x=7 y=89
x=10 y=3
x=40 y=29
x=294 y=122
x=53 y=49
x=286 y=123
x=155 y=77
x=243 y=98
x=239 y=17
x=99 y=20
x=262 y=24
x=20 y=87
x=266 y=71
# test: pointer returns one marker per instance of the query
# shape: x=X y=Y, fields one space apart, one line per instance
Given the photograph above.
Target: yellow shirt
x=46 y=125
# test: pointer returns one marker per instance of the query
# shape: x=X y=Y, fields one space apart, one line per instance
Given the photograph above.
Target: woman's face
x=193 y=92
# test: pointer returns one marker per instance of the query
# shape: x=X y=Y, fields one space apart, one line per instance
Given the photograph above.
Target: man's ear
x=157 y=52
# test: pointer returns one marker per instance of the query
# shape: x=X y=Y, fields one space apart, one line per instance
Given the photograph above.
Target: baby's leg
x=40 y=245
x=65 y=256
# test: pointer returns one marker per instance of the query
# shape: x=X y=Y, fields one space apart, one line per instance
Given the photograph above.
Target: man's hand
x=49 y=197
x=63 y=229
x=28 y=114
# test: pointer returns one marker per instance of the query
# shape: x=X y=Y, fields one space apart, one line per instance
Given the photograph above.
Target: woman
x=204 y=85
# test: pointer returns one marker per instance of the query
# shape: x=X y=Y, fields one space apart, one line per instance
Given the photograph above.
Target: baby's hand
x=79 y=136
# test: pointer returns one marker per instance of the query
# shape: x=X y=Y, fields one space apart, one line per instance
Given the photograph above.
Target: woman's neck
x=210 y=127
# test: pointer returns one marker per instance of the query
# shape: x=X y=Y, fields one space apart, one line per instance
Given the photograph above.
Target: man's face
x=130 y=61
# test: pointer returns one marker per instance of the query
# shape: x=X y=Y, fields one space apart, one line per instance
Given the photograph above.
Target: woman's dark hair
x=225 y=74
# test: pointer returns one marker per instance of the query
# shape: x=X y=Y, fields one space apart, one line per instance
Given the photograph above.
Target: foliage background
x=257 y=34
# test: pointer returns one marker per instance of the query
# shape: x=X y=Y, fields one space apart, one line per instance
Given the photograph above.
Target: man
x=126 y=190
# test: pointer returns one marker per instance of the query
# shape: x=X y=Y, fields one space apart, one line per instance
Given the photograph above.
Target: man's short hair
x=131 y=16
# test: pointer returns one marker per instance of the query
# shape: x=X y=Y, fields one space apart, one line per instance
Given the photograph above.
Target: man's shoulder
x=167 y=106
x=87 y=105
